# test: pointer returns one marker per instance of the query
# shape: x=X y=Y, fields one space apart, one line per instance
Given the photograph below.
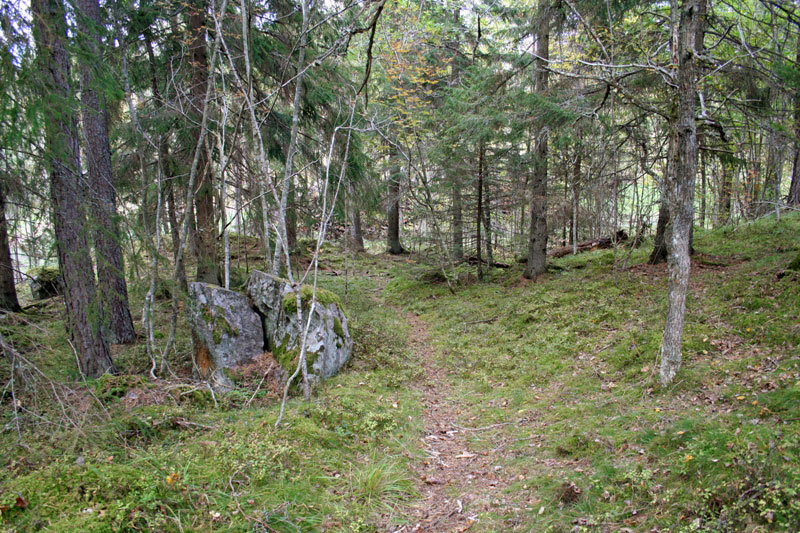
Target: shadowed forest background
x=394 y=265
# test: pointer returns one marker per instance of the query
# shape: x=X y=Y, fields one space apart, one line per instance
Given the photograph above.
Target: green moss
x=232 y=375
x=110 y=387
x=337 y=327
x=219 y=324
x=45 y=274
x=324 y=297
x=795 y=264
x=282 y=354
x=289 y=359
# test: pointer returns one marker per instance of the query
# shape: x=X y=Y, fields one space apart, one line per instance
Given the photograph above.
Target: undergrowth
x=562 y=370
x=128 y=453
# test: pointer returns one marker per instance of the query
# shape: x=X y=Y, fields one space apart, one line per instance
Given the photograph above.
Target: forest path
x=455 y=482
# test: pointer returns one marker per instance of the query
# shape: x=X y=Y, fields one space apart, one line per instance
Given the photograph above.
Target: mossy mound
x=45 y=274
x=795 y=264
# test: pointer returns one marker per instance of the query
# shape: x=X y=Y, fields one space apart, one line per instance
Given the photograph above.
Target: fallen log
x=585 y=246
x=473 y=260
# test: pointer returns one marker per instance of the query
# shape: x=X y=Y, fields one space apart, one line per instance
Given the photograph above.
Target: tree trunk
x=8 y=290
x=458 y=221
x=487 y=220
x=110 y=267
x=537 y=243
x=356 y=236
x=659 y=253
x=680 y=186
x=480 y=212
x=573 y=222
x=794 y=188
x=62 y=156
x=772 y=177
x=728 y=163
x=206 y=237
x=288 y=174
x=291 y=215
x=393 y=211
x=702 y=184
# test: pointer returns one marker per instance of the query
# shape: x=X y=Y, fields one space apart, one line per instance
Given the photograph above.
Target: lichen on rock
x=226 y=331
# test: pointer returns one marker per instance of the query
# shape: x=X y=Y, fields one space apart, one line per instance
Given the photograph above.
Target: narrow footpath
x=455 y=482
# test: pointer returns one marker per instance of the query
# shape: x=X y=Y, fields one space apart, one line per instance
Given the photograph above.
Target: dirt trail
x=454 y=481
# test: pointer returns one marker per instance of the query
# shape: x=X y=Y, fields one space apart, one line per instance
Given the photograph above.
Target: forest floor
x=510 y=405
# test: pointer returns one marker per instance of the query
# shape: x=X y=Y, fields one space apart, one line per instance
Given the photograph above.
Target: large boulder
x=226 y=331
x=44 y=282
x=328 y=343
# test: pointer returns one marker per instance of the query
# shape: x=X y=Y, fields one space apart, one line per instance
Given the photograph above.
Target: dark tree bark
x=206 y=242
x=659 y=253
x=458 y=222
x=728 y=163
x=487 y=215
x=84 y=315
x=480 y=211
x=8 y=290
x=393 y=211
x=794 y=187
x=110 y=267
x=356 y=240
x=681 y=184
x=537 y=243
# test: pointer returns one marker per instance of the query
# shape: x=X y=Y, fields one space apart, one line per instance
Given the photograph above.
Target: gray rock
x=226 y=331
x=328 y=343
x=44 y=282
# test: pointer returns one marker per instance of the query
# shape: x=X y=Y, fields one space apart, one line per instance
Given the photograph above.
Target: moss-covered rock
x=44 y=282
x=328 y=342
x=227 y=331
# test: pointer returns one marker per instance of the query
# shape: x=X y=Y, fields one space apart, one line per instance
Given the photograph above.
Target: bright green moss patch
x=337 y=327
x=324 y=297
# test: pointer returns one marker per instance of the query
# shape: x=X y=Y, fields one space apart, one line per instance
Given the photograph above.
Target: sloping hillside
x=509 y=405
